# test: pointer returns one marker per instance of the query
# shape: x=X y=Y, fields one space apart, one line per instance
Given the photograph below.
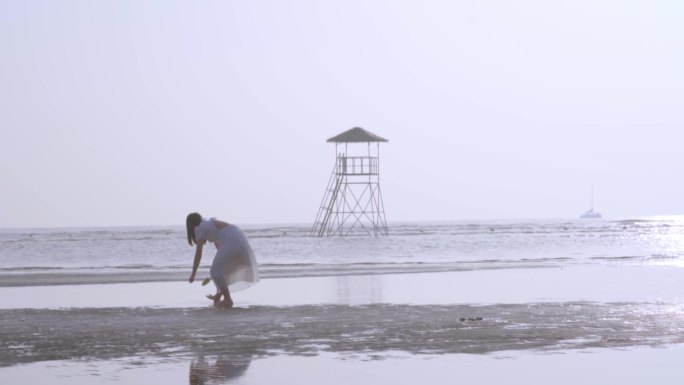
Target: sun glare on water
x=668 y=237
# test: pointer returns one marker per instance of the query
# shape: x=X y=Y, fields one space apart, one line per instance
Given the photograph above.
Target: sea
x=161 y=253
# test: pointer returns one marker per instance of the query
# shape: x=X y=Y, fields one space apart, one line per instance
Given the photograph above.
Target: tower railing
x=357 y=165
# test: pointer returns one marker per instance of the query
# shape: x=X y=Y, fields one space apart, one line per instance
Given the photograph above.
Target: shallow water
x=582 y=283
x=590 y=366
x=70 y=256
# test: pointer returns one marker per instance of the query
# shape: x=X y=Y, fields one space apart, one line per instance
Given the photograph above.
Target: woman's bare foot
x=226 y=303
x=215 y=297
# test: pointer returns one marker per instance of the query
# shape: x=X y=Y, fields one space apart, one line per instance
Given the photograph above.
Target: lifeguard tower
x=352 y=202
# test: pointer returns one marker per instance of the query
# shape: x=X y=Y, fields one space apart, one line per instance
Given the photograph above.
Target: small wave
x=662 y=256
x=30 y=268
x=288 y=264
x=134 y=266
x=636 y=257
x=627 y=221
x=21 y=240
x=545 y=259
x=164 y=274
x=268 y=236
x=131 y=238
x=617 y=258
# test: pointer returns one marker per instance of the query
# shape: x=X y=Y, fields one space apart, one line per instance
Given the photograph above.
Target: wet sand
x=87 y=333
x=400 y=327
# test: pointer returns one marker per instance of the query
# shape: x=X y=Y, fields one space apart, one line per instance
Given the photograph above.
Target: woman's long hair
x=193 y=220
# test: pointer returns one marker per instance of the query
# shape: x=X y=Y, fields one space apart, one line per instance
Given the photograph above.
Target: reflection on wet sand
x=221 y=371
x=359 y=289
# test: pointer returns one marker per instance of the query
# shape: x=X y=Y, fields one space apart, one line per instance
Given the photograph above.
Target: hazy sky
x=138 y=112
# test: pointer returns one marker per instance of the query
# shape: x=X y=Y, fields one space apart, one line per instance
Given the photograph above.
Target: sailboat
x=591 y=214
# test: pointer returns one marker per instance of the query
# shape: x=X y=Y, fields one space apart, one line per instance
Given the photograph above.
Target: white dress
x=234 y=264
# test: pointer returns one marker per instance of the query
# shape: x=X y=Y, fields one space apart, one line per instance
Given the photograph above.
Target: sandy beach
x=398 y=327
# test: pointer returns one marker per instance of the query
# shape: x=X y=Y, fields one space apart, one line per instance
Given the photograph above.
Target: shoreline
x=48 y=276
x=58 y=277
x=592 y=283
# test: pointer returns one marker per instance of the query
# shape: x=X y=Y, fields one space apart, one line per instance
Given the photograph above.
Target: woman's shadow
x=221 y=371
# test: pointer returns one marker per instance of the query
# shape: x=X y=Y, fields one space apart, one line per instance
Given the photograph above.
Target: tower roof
x=356 y=134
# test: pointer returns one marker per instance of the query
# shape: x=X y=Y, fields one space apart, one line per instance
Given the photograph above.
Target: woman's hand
x=198 y=258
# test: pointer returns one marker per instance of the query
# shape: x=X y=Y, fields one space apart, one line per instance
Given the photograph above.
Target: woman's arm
x=198 y=258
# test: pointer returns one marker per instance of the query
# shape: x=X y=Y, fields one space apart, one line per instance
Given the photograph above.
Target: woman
x=234 y=264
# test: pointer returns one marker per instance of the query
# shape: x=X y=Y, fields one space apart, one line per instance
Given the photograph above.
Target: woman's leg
x=221 y=287
x=227 y=300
